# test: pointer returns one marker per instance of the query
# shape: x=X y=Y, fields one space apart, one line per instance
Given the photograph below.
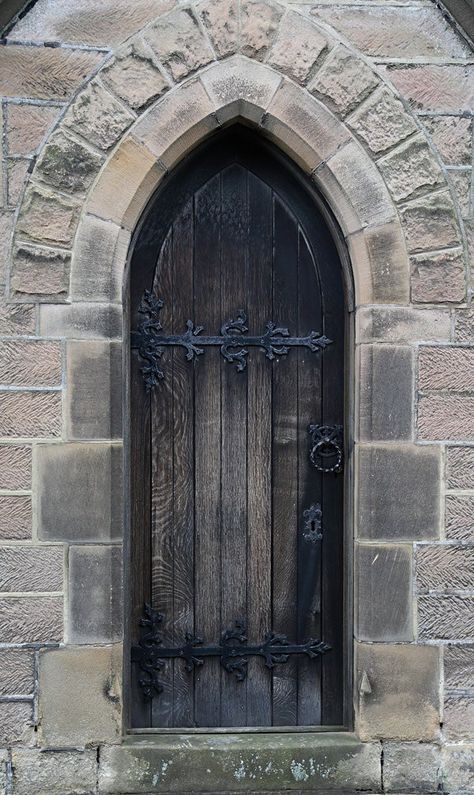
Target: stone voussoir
x=343 y=81
x=240 y=87
x=381 y=121
x=67 y=165
x=178 y=41
x=47 y=217
x=134 y=75
x=298 y=47
x=438 y=277
x=411 y=169
x=221 y=20
x=258 y=26
x=97 y=116
x=40 y=273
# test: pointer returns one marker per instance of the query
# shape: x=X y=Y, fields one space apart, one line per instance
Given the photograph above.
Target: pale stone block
x=98 y=260
x=464 y=325
x=384 y=592
x=458 y=717
x=54 y=773
x=36 y=619
x=411 y=169
x=39 y=273
x=460 y=508
x=446 y=417
x=452 y=136
x=67 y=165
x=444 y=568
x=178 y=42
x=432 y=87
x=458 y=769
x=438 y=277
x=98 y=116
x=6 y=229
x=386 y=390
x=461 y=185
x=16 y=723
x=31 y=569
x=32 y=363
x=95 y=608
x=17 y=319
x=17 y=174
x=30 y=414
x=258 y=27
x=460 y=468
x=221 y=21
x=240 y=88
x=430 y=223
x=15 y=466
x=134 y=76
x=44 y=72
x=402 y=324
x=380 y=264
x=343 y=80
x=411 y=767
x=17 y=670
x=297 y=48
x=47 y=218
x=459 y=667
x=15 y=515
x=381 y=121
x=446 y=368
x=94 y=390
x=81 y=321
x=27 y=126
x=446 y=617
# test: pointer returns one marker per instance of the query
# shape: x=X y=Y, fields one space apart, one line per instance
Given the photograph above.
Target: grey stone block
x=398 y=492
x=54 y=773
x=95 y=594
x=81 y=321
x=79 y=492
x=94 y=390
x=411 y=767
x=386 y=393
x=384 y=592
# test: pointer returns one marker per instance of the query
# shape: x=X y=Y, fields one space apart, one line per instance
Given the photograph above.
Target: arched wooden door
x=236 y=403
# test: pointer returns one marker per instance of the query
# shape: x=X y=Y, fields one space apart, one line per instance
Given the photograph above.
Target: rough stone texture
x=461 y=183
x=411 y=169
x=16 y=723
x=444 y=568
x=382 y=257
x=411 y=767
x=6 y=228
x=403 y=702
x=98 y=116
x=460 y=468
x=134 y=76
x=297 y=47
x=15 y=516
x=446 y=617
x=430 y=223
x=459 y=667
x=178 y=42
x=81 y=321
x=402 y=324
x=37 y=619
x=452 y=136
x=438 y=278
x=31 y=569
x=91 y=474
x=449 y=417
x=16 y=672
x=432 y=87
x=98 y=261
x=258 y=26
x=464 y=326
x=343 y=80
x=460 y=514
x=79 y=696
x=16 y=320
x=40 y=273
x=386 y=394
x=95 y=595
x=32 y=363
x=227 y=83
x=26 y=71
x=17 y=171
x=384 y=593
x=446 y=368
x=458 y=717
x=94 y=390
x=387 y=472
x=30 y=414
x=221 y=21
x=15 y=466
x=26 y=127
x=48 y=218
x=54 y=773
x=67 y=165
x=458 y=769
x=381 y=121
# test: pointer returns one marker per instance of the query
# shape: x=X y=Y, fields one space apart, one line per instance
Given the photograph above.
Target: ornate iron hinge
x=150 y=342
x=233 y=651
x=326 y=451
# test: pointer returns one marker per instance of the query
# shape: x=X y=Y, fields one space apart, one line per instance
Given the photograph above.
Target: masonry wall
x=374 y=100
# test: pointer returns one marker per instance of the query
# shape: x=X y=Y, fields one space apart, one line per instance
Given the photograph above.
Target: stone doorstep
x=231 y=763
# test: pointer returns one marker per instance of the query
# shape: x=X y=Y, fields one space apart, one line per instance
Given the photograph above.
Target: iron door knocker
x=326 y=453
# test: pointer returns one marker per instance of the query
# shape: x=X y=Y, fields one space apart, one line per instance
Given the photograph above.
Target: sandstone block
x=448 y=88
x=15 y=467
x=402 y=324
x=98 y=261
x=387 y=472
x=464 y=325
x=460 y=515
x=91 y=474
x=95 y=594
x=446 y=617
x=81 y=321
x=430 y=224
x=258 y=27
x=178 y=42
x=240 y=88
x=403 y=703
x=452 y=136
x=438 y=278
x=449 y=417
x=15 y=517
x=17 y=319
x=384 y=593
x=31 y=620
x=6 y=229
x=221 y=21
x=44 y=72
x=411 y=169
x=30 y=414
x=343 y=80
x=458 y=769
x=16 y=723
x=32 y=363
x=40 y=273
x=411 y=767
x=444 y=568
x=297 y=47
x=94 y=390
x=386 y=379
x=134 y=76
x=460 y=468
x=460 y=181
x=381 y=121
x=27 y=126
x=17 y=174
x=31 y=569
x=458 y=717
x=67 y=165
x=446 y=368
x=48 y=218
x=459 y=667
x=383 y=264
x=54 y=773
x=79 y=696
x=16 y=672
x=98 y=116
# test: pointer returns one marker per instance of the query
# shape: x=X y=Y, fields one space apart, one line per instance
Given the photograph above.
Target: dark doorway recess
x=237 y=560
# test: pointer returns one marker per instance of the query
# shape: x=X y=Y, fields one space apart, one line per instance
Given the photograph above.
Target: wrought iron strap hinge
x=233 y=651
x=150 y=342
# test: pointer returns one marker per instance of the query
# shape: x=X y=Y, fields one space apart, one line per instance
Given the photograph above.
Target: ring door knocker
x=326 y=452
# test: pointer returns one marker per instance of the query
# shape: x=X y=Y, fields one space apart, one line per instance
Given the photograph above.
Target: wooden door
x=237 y=393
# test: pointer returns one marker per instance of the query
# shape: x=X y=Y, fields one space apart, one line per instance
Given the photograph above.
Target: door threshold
x=239 y=730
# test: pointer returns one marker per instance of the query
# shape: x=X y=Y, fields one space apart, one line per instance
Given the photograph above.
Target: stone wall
x=374 y=100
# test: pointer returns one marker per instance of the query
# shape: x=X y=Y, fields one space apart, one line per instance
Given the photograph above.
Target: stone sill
x=237 y=762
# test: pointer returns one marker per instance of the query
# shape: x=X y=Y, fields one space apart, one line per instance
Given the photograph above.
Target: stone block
x=81 y=321
x=460 y=181
x=17 y=174
x=97 y=116
x=459 y=667
x=446 y=617
x=438 y=278
x=17 y=672
x=15 y=517
x=15 y=467
x=44 y=72
x=98 y=261
x=134 y=75
x=430 y=224
x=446 y=417
x=447 y=368
x=458 y=717
x=403 y=702
x=79 y=691
x=94 y=390
x=411 y=767
x=411 y=169
x=381 y=121
x=386 y=379
x=382 y=264
x=95 y=595
x=240 y=88
x=435 y=87
x=343 y=80
x=27 y=126
x=26 y=619
x=452 y=136
x=399 y=491
x=16 y=723
x=384 y=592
x=47 y=218
x=30 y=414
x=402 y=324
x=458 y=769
x=39 y=273
x=179 y=43
x=6 y=229
x=464 y=325
x=67 y=165
x=32 y=363
x=459 y=516
x=258 y=27
x=16 y=320
x=444 y=568
x=221 y=20
x=54 y=772
x=91 y=476
x=460 y=468
x=30 y=569
x=297 y=48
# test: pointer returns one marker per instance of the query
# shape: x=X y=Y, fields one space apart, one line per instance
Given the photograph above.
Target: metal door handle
x=326 y=446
